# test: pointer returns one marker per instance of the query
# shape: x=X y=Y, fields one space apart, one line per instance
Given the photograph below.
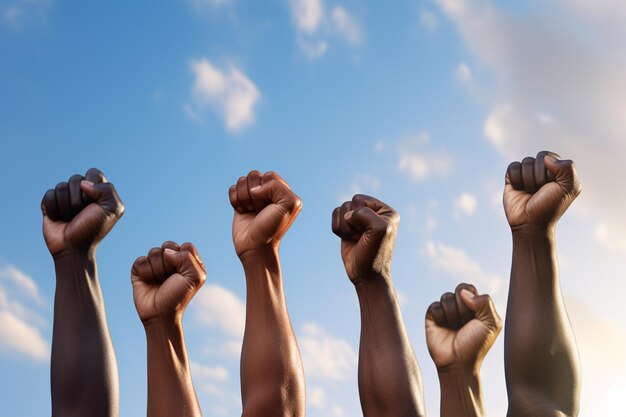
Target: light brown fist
x=461 y=328
x=539 y=190
x=166 y=280
x=265 y=207
x=79 y=213
x=367 y=228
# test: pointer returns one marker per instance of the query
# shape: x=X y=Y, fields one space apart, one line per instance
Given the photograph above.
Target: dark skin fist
x=166 y=280
x=265 y=207
x=79 y=213
x=367 y=228
x=461 y=328
x=539 y=190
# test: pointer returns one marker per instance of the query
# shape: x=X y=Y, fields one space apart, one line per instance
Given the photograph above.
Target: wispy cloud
x=346 y=25
x=460 y=265
x=554 y=89
x=465 y=205
x=419 y=162
x=315 y=26
x=20 y=323
x=325 y=357
x=230 y=92
x=21 y=14
x=218 y=307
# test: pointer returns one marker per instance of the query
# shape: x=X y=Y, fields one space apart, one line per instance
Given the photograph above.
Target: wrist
x=260 y=255
x=75 y=254
x=534 y=231
x=462 y=371
x=163 y=326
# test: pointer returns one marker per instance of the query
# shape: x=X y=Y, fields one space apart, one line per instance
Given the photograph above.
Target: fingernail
x=169 y=251
x=89 y=183
x=255 y=188
x=467 y=293
x=348 y=215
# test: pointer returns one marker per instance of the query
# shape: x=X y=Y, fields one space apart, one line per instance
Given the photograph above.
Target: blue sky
x=421 y=103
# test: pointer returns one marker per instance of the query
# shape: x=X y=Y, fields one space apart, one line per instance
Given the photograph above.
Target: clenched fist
x=367 y=228
x=79 y=213
x=461 y=328
x=265 y=207
x=538 y=190
x=166 y=280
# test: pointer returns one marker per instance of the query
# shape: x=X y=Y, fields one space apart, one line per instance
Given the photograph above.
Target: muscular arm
x=77 y=216
x=389 y=376
x=272 y=377
x=84 y=379
x=163 y=284
x=541 y=359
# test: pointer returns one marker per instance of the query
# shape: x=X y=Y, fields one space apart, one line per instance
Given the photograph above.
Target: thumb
x=564 y=172
x=104 y=195
x=185 y=264
x=483 y=308
x=276 y=192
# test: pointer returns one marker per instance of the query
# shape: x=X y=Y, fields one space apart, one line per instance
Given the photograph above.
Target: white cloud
x=362 y=184
x=312 y=49
x=201 y=5
x=325 y=357
x=460 y=265
x=557 y=89
x=422 y=166
x=20 y=14
x=428 y=20
x=465 y=204
x=25 y=284
x=419 y=162
x=19 y=336
x=316 y=397
x=315 y=27
x=216 y=306
x=215 y=373
x=346 y=25
x=307 y=14
x=20 y=323
x=230 y=92
x=463 y=73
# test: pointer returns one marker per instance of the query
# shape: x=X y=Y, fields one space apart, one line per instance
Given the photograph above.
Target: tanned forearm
x=272 y=378
x=461 y=394
x=170 y=388
x=541 y=359
x=389 y=377
x=84 y=377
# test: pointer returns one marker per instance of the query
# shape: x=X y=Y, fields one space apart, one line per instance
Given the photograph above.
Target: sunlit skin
x=78 y=214
x=389 y=376
x=164 y=282
x=541 y=358
x=272 y=377
x=460 y=329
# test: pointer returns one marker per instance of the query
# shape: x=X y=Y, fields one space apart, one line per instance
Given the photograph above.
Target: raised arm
x=272 y=378
x=541 y=359
x=78 y=214
x=163 y=284
x=460 y=330
x=389 y=376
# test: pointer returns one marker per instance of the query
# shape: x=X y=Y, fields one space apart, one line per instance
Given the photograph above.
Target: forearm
x=541 y=359
x=84 y=378
x=389 y=376
x=170 y=388
x=272 y=377
x=461 y=394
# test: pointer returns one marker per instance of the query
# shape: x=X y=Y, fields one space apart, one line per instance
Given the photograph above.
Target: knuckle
x=61 y=186
x=154 y=252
